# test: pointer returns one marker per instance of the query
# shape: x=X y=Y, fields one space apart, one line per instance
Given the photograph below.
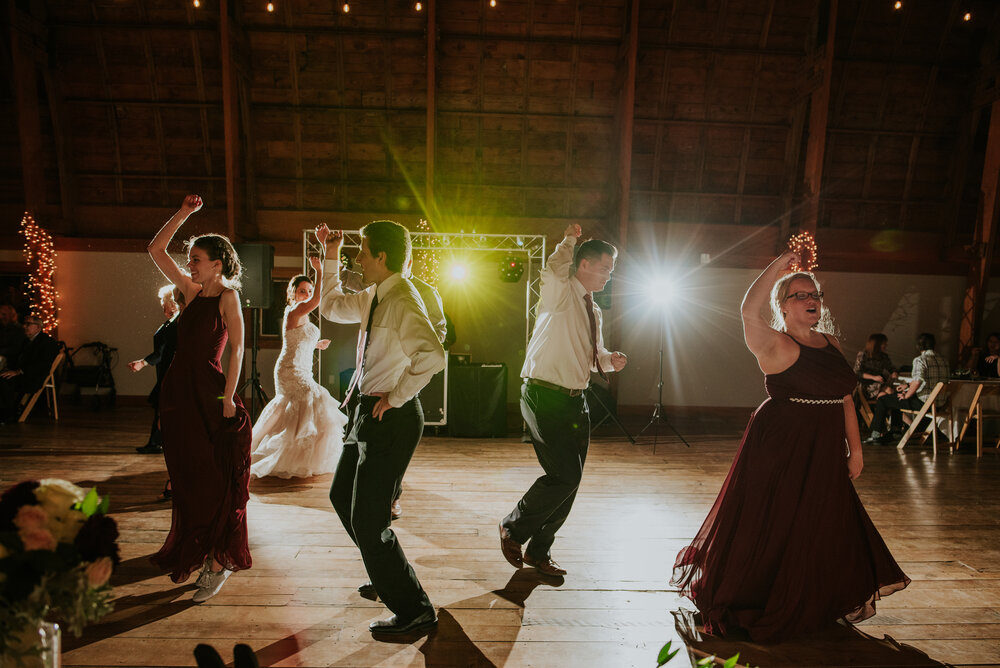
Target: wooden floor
x=637 y=507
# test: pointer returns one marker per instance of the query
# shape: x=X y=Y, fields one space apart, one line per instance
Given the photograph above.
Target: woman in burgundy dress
x=787 y=547
x=206 y=430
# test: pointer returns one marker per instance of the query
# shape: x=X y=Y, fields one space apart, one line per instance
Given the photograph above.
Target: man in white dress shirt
x=398 y=352
x=566 y=345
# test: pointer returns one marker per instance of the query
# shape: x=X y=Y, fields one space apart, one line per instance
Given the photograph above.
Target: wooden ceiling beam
x=819 y=108
x=293 y=78
x=154 y=96
x=203 y=106
x=230 y=119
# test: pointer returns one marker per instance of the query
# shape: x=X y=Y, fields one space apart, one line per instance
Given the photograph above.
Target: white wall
x=111 y=297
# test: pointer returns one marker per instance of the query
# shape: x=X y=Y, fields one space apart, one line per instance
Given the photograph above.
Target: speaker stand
x=253 y=380
x=608 y=415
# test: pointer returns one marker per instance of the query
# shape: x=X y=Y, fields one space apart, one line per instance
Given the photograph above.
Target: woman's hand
x=316 y=263
x=137 y=365
x=191 y=204
x=786 y=260
x=322 y=344
x=855 y=462
x=228 y=407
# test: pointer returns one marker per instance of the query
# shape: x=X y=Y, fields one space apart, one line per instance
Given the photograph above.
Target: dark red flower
x=98 y=538
x=21 y=494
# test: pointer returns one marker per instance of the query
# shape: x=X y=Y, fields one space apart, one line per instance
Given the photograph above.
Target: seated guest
x=11 y=334
x=874 y=368
x=929 y=369
x=27 y=371
x=984 y=360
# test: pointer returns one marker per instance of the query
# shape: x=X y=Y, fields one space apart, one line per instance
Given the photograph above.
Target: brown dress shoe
x=396 y=510
x=546 y=566
x=511 y=548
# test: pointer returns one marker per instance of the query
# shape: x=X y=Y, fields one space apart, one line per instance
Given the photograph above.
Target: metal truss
x=532 y=246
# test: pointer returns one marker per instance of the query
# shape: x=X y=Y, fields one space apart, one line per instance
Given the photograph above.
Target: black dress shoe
x=367 y=590
x=876 y=439
x=510 y=548
x=394 y=626
x=150 y=449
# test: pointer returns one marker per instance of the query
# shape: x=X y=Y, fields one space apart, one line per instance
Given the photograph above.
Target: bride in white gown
x=300 y=432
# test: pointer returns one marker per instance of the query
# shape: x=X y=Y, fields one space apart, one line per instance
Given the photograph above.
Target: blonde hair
x=779 y=293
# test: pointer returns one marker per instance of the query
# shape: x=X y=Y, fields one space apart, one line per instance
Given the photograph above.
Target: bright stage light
x=662 y=291
x=458 y=271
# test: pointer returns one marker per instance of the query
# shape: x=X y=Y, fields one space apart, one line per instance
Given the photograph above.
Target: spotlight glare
x=459 y=272
x=662 y=291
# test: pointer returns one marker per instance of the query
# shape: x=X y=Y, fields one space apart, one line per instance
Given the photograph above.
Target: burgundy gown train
x=208 y=455
x=787 y=547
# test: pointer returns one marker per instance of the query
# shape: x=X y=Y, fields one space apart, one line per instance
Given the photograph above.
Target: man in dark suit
x=27 y=373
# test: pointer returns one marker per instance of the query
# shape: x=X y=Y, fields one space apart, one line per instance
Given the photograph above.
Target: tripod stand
x=253 y=380
x=658 y=416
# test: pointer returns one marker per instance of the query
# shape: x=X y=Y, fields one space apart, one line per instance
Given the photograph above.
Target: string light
x=347 y=7
x=197 y=4
x=418 y=6
x=40 y=256
x=270 y=6
x=967 y=17
x=898 y=5
x=493 y=3
x=428 y=261
x=803 y=244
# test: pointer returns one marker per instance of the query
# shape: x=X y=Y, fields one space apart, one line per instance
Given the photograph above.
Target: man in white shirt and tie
x=566 y=345
x=398 y=352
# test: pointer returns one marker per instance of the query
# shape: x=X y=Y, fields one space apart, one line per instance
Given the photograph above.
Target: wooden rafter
x=230 y=115
x=293 y=77
x=154 y=95
x=111 y=110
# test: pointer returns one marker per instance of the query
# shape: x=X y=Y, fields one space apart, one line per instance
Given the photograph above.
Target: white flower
x=57 y=498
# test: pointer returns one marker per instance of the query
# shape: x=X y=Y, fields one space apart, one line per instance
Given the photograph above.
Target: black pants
x=376 y=454
x=890 y=404
x=11 y=391
x=560 y=431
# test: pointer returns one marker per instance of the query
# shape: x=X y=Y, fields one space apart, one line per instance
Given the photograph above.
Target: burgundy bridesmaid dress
x=207 y=455
x=788 y=547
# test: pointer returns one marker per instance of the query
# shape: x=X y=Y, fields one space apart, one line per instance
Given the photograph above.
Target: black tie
x=589 y=301
x=368 y=328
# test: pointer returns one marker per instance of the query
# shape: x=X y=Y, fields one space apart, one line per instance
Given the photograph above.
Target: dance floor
x=638 y=505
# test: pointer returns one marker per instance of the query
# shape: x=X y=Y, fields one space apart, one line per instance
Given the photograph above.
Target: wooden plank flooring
x=298 y=606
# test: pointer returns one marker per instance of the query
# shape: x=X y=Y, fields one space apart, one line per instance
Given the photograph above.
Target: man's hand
x=618 y=360
x=382 y=406
x=573 y=230
x=191 y=204
x=137 y=365
x=10 y=373
x=322 y=232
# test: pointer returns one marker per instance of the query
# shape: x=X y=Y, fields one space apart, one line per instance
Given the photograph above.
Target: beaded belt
x=799 y=400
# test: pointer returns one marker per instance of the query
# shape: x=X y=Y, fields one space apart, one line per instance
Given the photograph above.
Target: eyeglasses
x=802 y=296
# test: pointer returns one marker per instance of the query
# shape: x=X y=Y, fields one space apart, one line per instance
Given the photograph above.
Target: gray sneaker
x=213 y=583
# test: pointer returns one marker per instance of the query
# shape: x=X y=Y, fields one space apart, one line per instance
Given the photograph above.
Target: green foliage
x=666 y=654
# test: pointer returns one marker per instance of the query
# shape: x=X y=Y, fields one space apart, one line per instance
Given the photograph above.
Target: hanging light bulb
x=197 y=4
x=418 y=6
x=493 y=3
x=967 y=17
x=270 y=6
x=347 y=7
x=898 y=5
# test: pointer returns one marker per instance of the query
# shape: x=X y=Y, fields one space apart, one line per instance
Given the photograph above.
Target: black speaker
x=432 y=398
x=477 y=400
x=257 y=261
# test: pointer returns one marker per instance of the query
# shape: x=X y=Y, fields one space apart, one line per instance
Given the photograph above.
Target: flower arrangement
x=58 y=548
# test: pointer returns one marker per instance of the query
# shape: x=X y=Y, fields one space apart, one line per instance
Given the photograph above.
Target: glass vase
x=37 y=646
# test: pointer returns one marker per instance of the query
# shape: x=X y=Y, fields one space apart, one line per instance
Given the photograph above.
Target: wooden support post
x=986 y=231
x=626 y=118
x=230 y=115
x=27 y=46
x=430 y=205
x=819 y=108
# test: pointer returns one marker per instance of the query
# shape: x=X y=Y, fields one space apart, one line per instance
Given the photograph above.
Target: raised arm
x=305 y=308
x=158 y=248
x=232 y=314
x=760 y=337
x=338 y=307
x=561 y=259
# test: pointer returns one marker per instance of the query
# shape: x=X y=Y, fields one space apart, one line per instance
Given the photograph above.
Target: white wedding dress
x=300 y=433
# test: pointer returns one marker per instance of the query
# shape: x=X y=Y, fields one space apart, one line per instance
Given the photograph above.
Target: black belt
x=552 y=386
